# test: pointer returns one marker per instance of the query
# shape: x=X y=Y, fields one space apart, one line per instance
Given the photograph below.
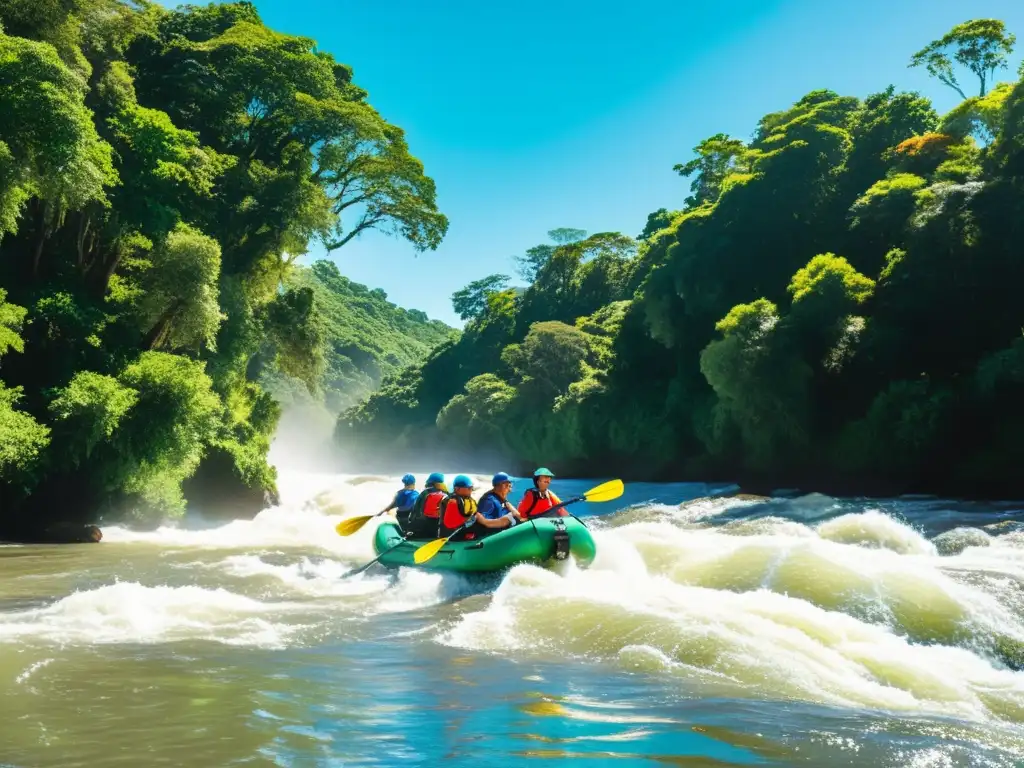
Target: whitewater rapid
x=852 y=609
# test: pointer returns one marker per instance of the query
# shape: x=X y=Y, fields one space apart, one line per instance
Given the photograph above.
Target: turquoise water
x=710 y=631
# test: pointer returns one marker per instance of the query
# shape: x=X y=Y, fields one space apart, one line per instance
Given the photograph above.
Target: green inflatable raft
x=539 y=541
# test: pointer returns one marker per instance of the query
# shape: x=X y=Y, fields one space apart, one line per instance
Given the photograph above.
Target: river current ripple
x=711 y=630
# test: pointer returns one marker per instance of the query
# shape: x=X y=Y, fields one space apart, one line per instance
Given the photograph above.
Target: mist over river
x=709 y=631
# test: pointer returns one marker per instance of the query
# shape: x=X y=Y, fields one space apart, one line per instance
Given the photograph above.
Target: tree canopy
x=160 y=173
x=832 y=306
x=980 y=45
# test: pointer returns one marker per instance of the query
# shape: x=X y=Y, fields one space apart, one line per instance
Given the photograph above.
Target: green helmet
x=543 y=472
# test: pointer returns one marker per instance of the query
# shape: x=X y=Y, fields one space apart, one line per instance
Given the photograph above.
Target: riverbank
x=59 y=533
x=249 y=506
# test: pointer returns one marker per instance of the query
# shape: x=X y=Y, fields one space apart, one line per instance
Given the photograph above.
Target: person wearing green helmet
x=540 y=499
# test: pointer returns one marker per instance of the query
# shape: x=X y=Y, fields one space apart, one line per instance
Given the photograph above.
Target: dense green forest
x=366 y=338
x=160 y=174
x=835 y=305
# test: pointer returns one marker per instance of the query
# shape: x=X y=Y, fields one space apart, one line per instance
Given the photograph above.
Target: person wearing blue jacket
x=404 y=500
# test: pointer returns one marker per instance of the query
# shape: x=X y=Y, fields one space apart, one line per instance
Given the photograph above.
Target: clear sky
x=538 y=114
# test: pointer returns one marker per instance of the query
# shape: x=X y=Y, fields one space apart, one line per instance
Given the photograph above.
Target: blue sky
x=533 y=115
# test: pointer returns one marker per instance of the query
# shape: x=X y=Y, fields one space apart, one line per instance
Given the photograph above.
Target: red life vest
x=457 y=510
x=432 y=504
x=533 y=504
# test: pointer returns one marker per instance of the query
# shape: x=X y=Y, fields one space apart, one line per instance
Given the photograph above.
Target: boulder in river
x=58 y=533
x=218 y=492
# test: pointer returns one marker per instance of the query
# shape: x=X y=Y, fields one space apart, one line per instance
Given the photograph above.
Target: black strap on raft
x=461 y=503
x=536 y=500
x=561 y=540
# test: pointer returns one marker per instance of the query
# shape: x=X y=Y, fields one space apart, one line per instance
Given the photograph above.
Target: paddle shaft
x=378 y=557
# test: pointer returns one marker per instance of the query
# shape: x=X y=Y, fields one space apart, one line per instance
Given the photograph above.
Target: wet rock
x=957 y=540
x=1011 y=652
x=218 y=493
x=58 y=533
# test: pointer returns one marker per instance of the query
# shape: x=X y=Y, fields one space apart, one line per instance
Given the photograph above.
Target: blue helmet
x=435 y=478
x=462 y=481
x=408 y=480
x=501 y=477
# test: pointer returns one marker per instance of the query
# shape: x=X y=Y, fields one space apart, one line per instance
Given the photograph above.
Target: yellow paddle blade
x=427 y=551
x=605 y=492
x=350 y=526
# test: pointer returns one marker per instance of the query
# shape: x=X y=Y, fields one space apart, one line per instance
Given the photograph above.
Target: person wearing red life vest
x=539 y=499
x=425 y=516
x=460 y=511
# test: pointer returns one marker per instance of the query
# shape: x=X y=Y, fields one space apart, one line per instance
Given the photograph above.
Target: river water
x=710 y=631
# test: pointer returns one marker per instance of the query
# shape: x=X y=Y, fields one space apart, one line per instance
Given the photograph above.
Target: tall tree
x=566 y=235
x=532 y=262
x=371 y=171
x=981 y=45
x=471 y=302
x=717 y=157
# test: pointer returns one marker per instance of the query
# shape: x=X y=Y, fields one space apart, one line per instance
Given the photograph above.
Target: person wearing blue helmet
x=461 y=511
x=404 y=500
x=423 y=520
x=494 y=505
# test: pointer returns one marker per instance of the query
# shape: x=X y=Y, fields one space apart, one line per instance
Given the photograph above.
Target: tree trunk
x=37 y=255
x=157 y=335
x=108 y=271
x=83 y=232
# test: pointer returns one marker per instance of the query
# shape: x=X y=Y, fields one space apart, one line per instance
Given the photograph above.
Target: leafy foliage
x=471 y=301
x=981 y=45
x=362 y=338
x=160 y=173
x=834 y=305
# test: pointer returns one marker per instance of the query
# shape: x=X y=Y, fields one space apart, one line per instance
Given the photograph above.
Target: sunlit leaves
x=11 y=317
x=471 y=302
x=179 y=306
x=161 y=440
x=167 y=174
x=22 y=438
x=49 y=144
x=88 y=410
x=717 y=158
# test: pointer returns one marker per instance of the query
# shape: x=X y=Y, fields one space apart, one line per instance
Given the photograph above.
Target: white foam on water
x=129 y=612
x=365 y=594
x=310 y=509
x=32 y=669
x=274 y=527
x=913 y=593
x=769 y=643
x=306 y=577
x=877 y=530
x=694 y=512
